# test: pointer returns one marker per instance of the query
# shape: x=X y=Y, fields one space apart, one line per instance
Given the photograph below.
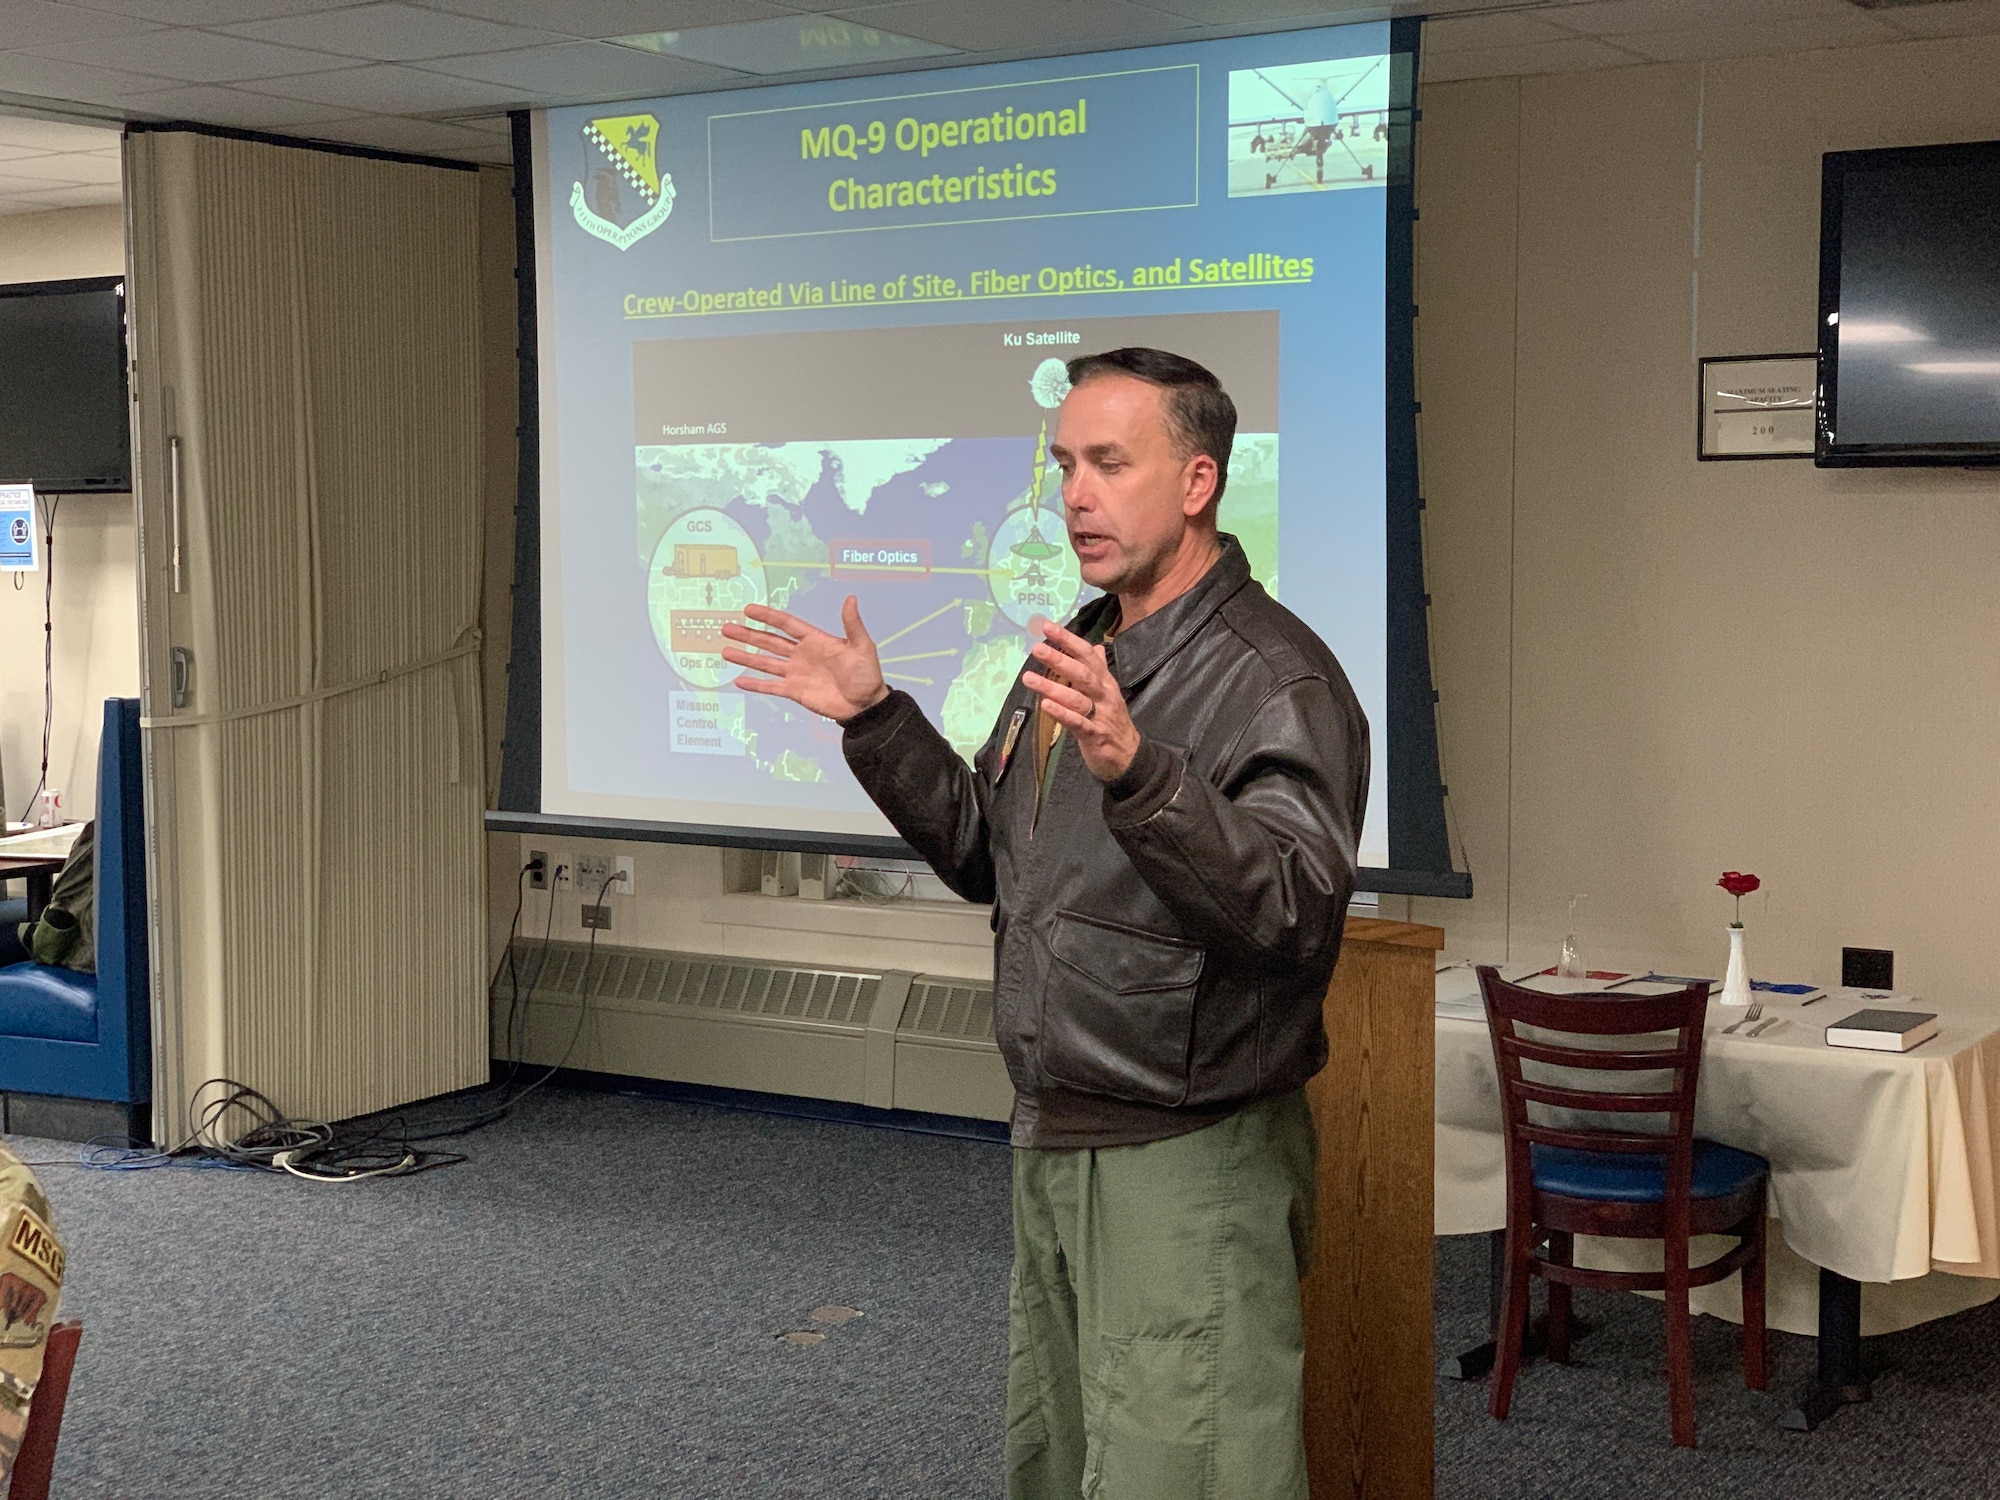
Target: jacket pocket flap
x=1124 y=960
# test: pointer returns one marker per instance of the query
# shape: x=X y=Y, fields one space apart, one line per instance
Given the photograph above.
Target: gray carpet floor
x=595 y=1305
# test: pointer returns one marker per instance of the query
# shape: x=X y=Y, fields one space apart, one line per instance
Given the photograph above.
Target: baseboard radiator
x=886 y=1038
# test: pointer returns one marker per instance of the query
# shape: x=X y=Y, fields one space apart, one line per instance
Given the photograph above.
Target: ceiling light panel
x=796 y=44
x=1021 y=25
x=580 y=72
x=597 y=20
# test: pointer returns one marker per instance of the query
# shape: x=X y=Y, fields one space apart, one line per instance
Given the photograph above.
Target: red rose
x=1738 y=884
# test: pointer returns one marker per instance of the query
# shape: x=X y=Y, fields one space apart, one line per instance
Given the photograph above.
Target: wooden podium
x=1368 y=1296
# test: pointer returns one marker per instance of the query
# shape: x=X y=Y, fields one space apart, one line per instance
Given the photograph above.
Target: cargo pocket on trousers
x=1157 y=1431
x=1118 y=1009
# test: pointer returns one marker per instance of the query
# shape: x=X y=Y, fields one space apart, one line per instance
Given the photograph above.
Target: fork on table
x=1756 y=1009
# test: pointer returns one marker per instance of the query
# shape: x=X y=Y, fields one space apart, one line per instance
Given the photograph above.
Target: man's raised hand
x=1076 y=688
x=832 y=676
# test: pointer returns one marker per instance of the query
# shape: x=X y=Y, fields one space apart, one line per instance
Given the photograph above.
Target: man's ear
x=1199 y=480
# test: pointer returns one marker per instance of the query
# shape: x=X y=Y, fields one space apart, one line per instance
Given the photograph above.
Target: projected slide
x=954 y=539
x=810 y=341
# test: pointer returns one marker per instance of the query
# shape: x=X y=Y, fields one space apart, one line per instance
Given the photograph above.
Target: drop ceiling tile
x=77 y=197
x=582 y=71
x=1502 y=29
x=393 y=89
x=1573 y=56
x=493 y=126
x=34 y=136
x=395 y=133
x=597 y=19
x=67 y=169
x=196 y=56
x=1963 y=18
x=214 y=104
x=490 y=155
x=38 y=23
x=1630 y=17
x=44 y=78
x=393 y=33
x=1302 y=13
x=1760 y=37
x=212 y=12
x=978 y=26
x=12 y=182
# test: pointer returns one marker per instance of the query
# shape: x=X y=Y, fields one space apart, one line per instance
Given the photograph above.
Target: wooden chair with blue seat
x=1566 y=1178
x=68 y=1035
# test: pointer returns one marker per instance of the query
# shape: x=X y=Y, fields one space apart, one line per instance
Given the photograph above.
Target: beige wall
x=1654 y=669
x=62 y=243
x=96 y=604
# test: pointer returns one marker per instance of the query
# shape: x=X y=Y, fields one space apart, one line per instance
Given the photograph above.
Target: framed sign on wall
x=1757 y=406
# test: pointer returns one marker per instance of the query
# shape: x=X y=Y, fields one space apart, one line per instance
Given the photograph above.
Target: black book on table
x=1883 y=1030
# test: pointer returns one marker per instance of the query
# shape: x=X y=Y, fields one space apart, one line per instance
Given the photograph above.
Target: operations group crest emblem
x=625 y=196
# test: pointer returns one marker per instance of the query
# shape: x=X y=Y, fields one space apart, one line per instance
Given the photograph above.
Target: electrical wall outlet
x=562 y=870
x=597 y=916
x=621 y=875
x=593 y=871
x=780 y=874
x=818 y=877
x=538 y=878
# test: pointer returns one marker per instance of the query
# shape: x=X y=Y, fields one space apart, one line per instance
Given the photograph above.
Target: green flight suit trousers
x=1156 y=1348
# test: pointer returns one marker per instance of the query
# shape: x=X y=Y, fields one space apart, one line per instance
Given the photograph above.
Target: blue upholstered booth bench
x=76 y=1053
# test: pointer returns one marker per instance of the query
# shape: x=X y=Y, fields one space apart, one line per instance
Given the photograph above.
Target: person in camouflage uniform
x=31 y=1278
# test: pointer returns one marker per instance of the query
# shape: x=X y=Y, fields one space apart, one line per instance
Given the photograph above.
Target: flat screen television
x=65 y=424
x=1909 y=304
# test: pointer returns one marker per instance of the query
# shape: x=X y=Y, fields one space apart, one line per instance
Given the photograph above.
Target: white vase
x=1736 y=982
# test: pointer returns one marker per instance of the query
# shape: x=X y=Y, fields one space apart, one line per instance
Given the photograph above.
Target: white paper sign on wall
x=20 y=548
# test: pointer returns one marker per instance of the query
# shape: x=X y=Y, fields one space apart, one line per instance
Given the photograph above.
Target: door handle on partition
x=174 y=503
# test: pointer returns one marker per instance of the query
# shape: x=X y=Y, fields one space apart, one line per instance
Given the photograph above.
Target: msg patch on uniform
x=36 y=1243
x=31 y=1274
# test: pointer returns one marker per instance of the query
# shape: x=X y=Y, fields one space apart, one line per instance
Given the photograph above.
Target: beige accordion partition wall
x=305 y=336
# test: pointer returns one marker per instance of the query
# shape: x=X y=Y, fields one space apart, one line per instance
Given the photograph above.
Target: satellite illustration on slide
x=953 y=543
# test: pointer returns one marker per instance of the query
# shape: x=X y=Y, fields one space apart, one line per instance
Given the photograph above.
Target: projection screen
x=807 y=340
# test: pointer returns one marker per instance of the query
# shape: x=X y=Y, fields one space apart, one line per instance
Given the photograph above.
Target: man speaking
x=1165 y=820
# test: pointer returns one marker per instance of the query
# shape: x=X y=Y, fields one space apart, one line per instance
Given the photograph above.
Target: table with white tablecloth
x=1883 y=1165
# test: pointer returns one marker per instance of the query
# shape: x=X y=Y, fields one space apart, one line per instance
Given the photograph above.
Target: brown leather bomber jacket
x=1162 y=944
